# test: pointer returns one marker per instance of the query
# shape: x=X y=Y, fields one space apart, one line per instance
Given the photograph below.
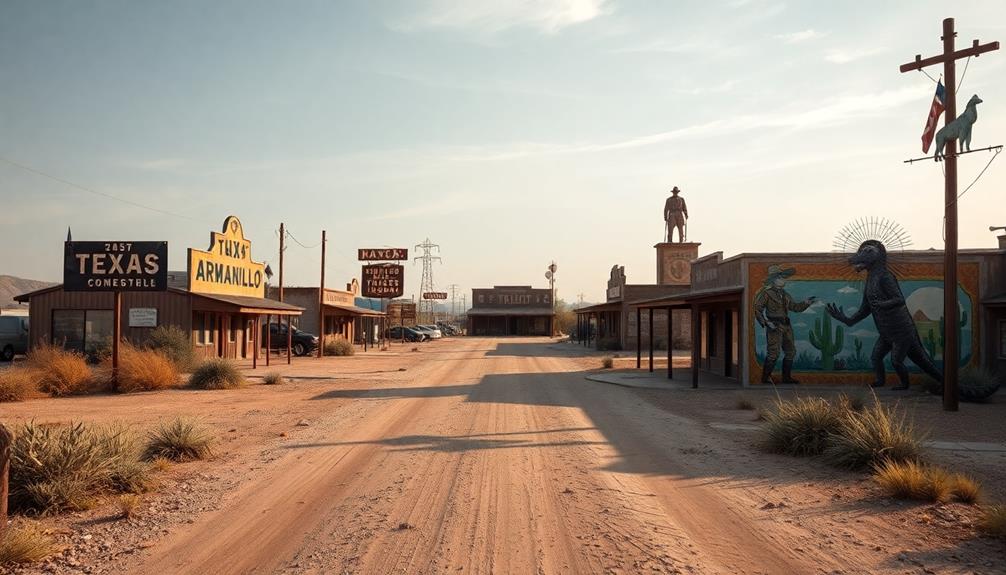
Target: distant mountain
x=11 y=286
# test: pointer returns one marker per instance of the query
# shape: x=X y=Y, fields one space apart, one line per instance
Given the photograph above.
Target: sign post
x=951 y=314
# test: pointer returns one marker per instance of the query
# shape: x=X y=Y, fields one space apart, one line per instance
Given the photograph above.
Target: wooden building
x=511 y=310
x=220 y=301
x=342 y=317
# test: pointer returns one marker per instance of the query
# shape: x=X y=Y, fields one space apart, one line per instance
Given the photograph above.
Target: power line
x=96 y=192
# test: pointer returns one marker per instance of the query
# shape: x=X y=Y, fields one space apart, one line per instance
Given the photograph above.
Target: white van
x=13 y=336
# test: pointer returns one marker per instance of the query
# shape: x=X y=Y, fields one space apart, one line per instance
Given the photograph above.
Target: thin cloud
x=839 y=56
x=492 y=16
x=802 y=36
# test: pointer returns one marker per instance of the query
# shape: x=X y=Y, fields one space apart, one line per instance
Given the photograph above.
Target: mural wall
x=828 y=351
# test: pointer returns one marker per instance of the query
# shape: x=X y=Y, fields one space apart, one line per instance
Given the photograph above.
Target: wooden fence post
x=5 y=440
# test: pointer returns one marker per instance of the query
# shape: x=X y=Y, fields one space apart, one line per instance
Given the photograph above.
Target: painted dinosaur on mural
x=883 y=299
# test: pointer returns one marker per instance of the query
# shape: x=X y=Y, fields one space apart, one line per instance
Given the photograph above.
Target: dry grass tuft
x=608 y=362
x=217 y=373
x=63 y=468
x=800 y=427
x=61 y=372
x=25 y=543
x=175 y=344
x=128 y=505
x=18 y=384
x=144 y=370
x=161 y=464
x=273 y=378
x=913 y=480
x=965 y=488
x=338 y=346
x=181 y=439
x=993 y=521
x=876 y=433
x=745 y=403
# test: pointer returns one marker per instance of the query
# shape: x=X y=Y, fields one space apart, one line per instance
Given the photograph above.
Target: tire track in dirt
x=266 y=521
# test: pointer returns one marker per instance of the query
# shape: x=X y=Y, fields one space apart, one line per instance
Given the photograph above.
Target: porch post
x=258 y=343
x=639 y=337
x=268 y=338
x=670 y=344
x=696 y=345
x=289 y=340
x=650 y=316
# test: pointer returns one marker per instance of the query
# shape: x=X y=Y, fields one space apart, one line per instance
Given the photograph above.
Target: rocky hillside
x=11 y=286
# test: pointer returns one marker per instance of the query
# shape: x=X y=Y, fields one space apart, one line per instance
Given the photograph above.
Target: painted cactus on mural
x=821 y=338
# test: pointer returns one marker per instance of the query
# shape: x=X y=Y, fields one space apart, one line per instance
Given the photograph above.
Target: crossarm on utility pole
x=976 y=50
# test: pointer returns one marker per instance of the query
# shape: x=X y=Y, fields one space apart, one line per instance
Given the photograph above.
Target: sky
x=511 y=133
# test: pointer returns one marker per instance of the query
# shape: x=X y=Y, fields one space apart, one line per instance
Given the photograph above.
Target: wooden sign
x=382 y=254
x=401 y=313
x=115 y=266
x=226 y=268
x=143 y=317
x=435 y=295
x=383 y=280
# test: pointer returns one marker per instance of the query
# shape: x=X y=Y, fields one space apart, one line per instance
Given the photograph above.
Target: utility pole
x=426 y=306
x=321 y=301
x=282 y=238
x=454 y=301
x=951 y=315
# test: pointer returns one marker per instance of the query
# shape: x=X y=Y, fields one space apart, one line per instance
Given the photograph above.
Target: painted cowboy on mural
x=772 y=305
x=675 y=216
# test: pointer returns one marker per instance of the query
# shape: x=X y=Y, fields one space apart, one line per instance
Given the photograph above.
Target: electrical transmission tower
x=454 y=301
x=427 y=306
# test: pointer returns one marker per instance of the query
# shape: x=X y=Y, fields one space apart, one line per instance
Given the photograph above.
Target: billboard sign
x=382 y=254
x=383 y=280
x=226 y=268
x=115 y=266
x=435 y=295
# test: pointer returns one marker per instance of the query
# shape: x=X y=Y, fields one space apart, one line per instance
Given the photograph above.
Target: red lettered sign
x=383 y=280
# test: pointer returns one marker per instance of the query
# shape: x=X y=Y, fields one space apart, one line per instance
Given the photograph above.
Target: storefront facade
x=342 y=317
x=220 y=301
x=511 y=311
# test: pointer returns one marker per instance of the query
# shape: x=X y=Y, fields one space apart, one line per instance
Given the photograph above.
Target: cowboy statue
x=772 y=305
x=675 y=216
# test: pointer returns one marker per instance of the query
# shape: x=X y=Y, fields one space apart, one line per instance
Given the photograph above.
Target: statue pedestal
x=674 y=262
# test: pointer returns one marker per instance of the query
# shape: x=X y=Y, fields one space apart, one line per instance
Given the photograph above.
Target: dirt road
x=487 y=456
x=496 y=456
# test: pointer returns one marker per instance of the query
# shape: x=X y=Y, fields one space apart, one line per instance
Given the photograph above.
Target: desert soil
x=490 y=456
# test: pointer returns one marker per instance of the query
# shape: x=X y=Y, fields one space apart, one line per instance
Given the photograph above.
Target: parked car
x=412 y=335
x=301 y=342
x=13 y=336
x=448 y=329
x=431 y=332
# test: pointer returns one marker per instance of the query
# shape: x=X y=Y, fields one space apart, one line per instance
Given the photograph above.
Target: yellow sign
x=226 y=268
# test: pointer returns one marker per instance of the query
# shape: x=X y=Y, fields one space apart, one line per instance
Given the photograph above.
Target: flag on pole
x=935 y=111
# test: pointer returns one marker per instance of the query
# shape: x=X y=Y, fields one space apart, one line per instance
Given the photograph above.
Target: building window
x=86 y=331
x=235 y=328
x=199 y=326
x=211 y=328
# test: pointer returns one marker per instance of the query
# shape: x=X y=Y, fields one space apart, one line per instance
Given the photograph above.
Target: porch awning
x=505 y=311
x=252 y=305
x=355 y=310
x=610 y=306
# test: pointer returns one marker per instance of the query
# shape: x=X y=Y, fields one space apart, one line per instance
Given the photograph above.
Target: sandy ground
x=491 y=456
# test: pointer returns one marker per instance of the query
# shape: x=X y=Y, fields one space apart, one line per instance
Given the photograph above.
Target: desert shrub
x=609 y=344
x=338 y=346
x=26 y=542
x=61 y=372
x=608 y=362
x=174 y=343
x=993 y=521
x=800 y=427
x=56 y=468
x=216 y=373
x=144 y=370
x=273 y=378
x=965 y=488
x=128 y=505
x=874 y=434
x=181 y=439
x=853 y=402
x=18 y=384
x=913 y=480
x=977 y=384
